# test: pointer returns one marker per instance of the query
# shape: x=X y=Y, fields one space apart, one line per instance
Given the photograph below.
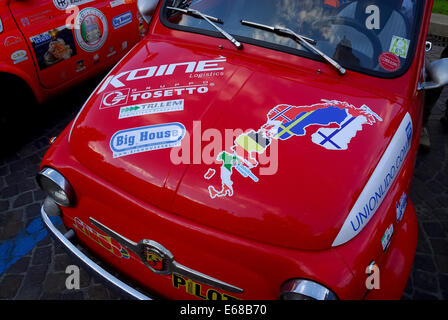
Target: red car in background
x=48 y=46
x=251 y=150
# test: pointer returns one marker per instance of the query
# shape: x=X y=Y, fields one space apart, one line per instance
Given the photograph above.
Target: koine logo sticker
x=91 y=29
x=149 y=138
x=122 y=20
x=195 y=70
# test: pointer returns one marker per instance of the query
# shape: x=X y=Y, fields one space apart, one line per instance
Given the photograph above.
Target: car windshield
x=373 y=36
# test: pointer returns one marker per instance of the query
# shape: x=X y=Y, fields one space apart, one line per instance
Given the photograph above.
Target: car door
x=70 y=39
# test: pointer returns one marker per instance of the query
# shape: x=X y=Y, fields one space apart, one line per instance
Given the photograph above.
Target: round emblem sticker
x=91 y=29
x=61 y=4
x=389 y=61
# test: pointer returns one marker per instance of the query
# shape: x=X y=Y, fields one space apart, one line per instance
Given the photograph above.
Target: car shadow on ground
x=38 y=121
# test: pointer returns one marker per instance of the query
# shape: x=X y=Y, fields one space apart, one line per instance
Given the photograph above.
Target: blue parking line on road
x=15 y=248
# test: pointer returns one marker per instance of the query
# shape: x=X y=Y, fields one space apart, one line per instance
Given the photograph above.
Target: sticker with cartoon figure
x=286 y=121
x=53 y=46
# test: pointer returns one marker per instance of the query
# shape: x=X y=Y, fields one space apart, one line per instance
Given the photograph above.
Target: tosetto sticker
x=124 y=97
x=149 y=138
x=285 y=122
x=91 y=29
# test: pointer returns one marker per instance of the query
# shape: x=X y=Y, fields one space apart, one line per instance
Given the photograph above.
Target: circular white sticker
x=91 y=29
x=61 y=4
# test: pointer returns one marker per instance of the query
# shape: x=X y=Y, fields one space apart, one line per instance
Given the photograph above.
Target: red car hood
x=298 y=181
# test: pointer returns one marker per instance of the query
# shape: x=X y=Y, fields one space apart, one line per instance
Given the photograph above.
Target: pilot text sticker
x=284 y=122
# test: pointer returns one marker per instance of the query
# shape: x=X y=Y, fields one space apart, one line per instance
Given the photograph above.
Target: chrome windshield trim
x=88 y=263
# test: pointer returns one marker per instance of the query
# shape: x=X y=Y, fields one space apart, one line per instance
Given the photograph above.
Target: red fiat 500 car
x=251 y=150
x=47 y=46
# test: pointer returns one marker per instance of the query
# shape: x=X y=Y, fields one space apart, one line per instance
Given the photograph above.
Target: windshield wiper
x=304 y=41
x=209 y=19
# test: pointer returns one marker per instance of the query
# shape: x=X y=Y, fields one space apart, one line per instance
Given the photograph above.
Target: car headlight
x=56 y=187
x=301 y=289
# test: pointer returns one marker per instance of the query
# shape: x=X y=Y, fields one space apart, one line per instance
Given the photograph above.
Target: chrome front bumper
x=81 y=258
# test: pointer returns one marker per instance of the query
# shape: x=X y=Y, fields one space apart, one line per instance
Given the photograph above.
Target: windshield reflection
x=373 y=35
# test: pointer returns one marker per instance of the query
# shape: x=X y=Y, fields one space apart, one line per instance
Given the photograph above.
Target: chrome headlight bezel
x=302 y=289
x=56 y=186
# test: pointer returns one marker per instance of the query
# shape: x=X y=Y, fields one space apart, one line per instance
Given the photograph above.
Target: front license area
x=199 y=290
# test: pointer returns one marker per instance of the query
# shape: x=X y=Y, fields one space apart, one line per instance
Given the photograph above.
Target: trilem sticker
x=137 y=140
x=151 y=108
x=399 y=46
x=389 y=61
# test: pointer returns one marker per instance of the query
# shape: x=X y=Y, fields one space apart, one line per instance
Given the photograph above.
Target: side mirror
x=147 y=8
x=438 y=73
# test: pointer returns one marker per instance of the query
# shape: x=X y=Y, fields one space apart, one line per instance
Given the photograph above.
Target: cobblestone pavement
x=40 y=273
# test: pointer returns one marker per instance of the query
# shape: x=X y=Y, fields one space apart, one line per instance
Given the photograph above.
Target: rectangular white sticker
x=151 y=108
x=399 y=46
x=116 y=3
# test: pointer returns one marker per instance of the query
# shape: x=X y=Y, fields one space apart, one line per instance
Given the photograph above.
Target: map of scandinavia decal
x=284 y=122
